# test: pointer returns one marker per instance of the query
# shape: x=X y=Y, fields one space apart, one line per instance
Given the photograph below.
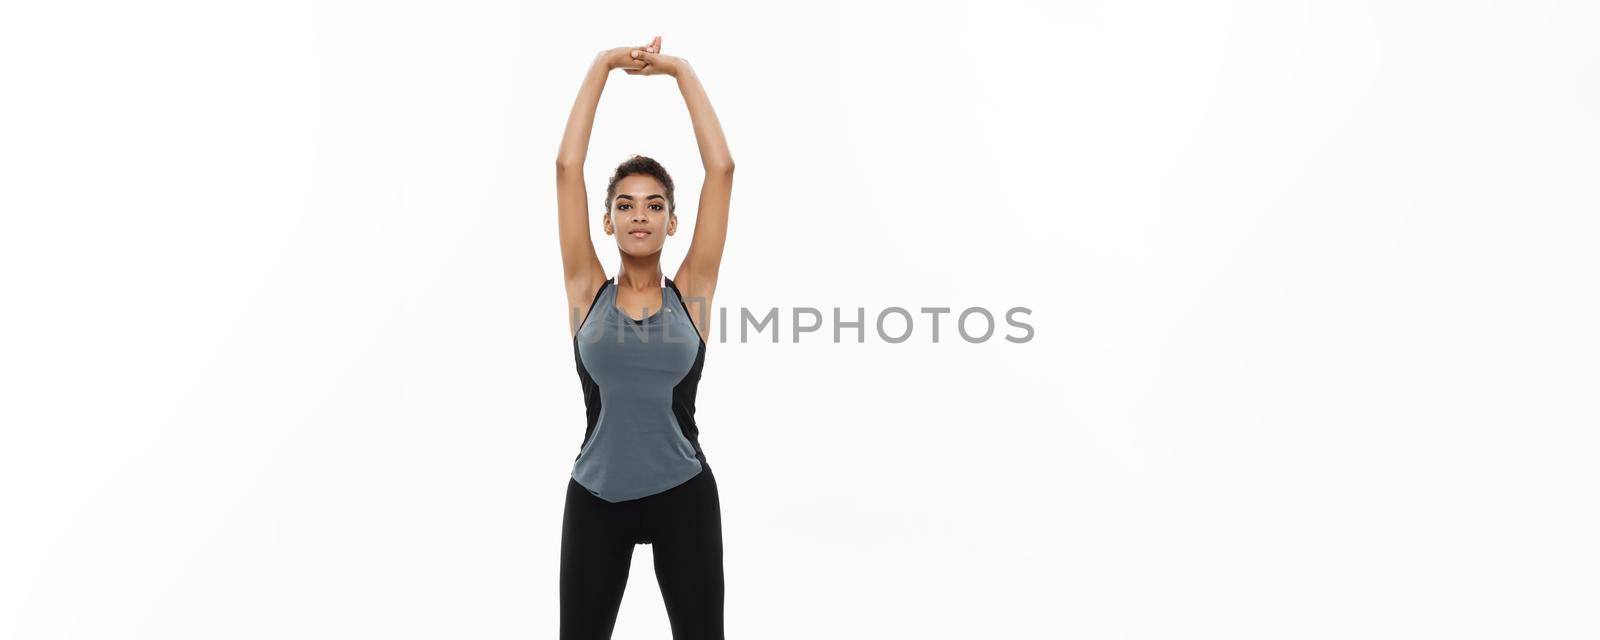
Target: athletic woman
x=640 y=338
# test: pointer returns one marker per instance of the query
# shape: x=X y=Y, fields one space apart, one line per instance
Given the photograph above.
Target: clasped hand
x=646 y=60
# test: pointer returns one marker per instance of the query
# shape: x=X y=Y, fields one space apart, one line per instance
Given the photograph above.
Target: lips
x=639 y=233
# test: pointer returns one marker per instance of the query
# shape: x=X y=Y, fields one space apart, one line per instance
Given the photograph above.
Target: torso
x=640 y=375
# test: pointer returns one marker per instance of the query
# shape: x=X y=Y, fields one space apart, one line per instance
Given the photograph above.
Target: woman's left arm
x=698 y=272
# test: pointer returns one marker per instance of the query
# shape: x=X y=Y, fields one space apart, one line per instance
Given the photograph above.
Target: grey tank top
x=639 y=381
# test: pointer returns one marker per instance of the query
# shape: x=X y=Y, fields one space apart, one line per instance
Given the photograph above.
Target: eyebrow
x=653 y=195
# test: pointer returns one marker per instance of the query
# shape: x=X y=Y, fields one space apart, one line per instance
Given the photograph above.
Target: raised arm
x=697 y=275
x=580 y=264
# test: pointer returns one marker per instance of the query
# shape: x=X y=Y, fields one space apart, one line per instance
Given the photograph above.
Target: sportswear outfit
x=640 y=476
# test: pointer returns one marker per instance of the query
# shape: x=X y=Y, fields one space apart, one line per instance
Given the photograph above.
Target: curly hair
x=641 y=165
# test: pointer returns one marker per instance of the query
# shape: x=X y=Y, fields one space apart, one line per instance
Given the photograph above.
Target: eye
x=623 y=207
x=657 y=207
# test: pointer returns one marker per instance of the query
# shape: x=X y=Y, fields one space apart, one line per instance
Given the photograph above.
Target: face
x=639 y=217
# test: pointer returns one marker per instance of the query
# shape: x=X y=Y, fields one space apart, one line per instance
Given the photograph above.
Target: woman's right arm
x=580 y=264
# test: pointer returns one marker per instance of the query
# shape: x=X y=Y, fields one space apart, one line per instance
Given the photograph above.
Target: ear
x=672 y=223
x=605 y=222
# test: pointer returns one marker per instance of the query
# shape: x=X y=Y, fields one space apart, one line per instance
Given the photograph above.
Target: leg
x=687 y=528
x=596 y=552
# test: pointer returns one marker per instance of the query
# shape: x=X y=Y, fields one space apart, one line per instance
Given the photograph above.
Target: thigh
x=596 y=552
x=687 y=548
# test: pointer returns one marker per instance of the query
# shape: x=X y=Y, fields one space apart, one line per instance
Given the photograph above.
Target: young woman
x=640 y=338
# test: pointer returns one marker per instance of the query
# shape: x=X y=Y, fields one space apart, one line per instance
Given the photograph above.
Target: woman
x=640 y=341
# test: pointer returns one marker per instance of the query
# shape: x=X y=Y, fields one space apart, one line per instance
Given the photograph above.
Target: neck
x=640 y=273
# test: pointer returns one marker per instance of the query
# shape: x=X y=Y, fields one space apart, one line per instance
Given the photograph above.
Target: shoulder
x=584 y=291
x=582 y=294
x=693 y=286
x=695 y=296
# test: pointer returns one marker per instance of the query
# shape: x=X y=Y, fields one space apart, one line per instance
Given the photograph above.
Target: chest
x=656 y=352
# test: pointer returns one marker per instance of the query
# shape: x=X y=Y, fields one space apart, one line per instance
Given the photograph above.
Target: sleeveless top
x=639 y=381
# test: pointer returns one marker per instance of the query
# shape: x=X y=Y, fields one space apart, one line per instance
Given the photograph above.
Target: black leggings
x=683 y=523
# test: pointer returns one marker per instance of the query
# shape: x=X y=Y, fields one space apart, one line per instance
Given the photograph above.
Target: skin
x=639 y=279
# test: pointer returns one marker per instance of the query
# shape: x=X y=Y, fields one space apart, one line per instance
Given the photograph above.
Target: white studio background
x=283 y=350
